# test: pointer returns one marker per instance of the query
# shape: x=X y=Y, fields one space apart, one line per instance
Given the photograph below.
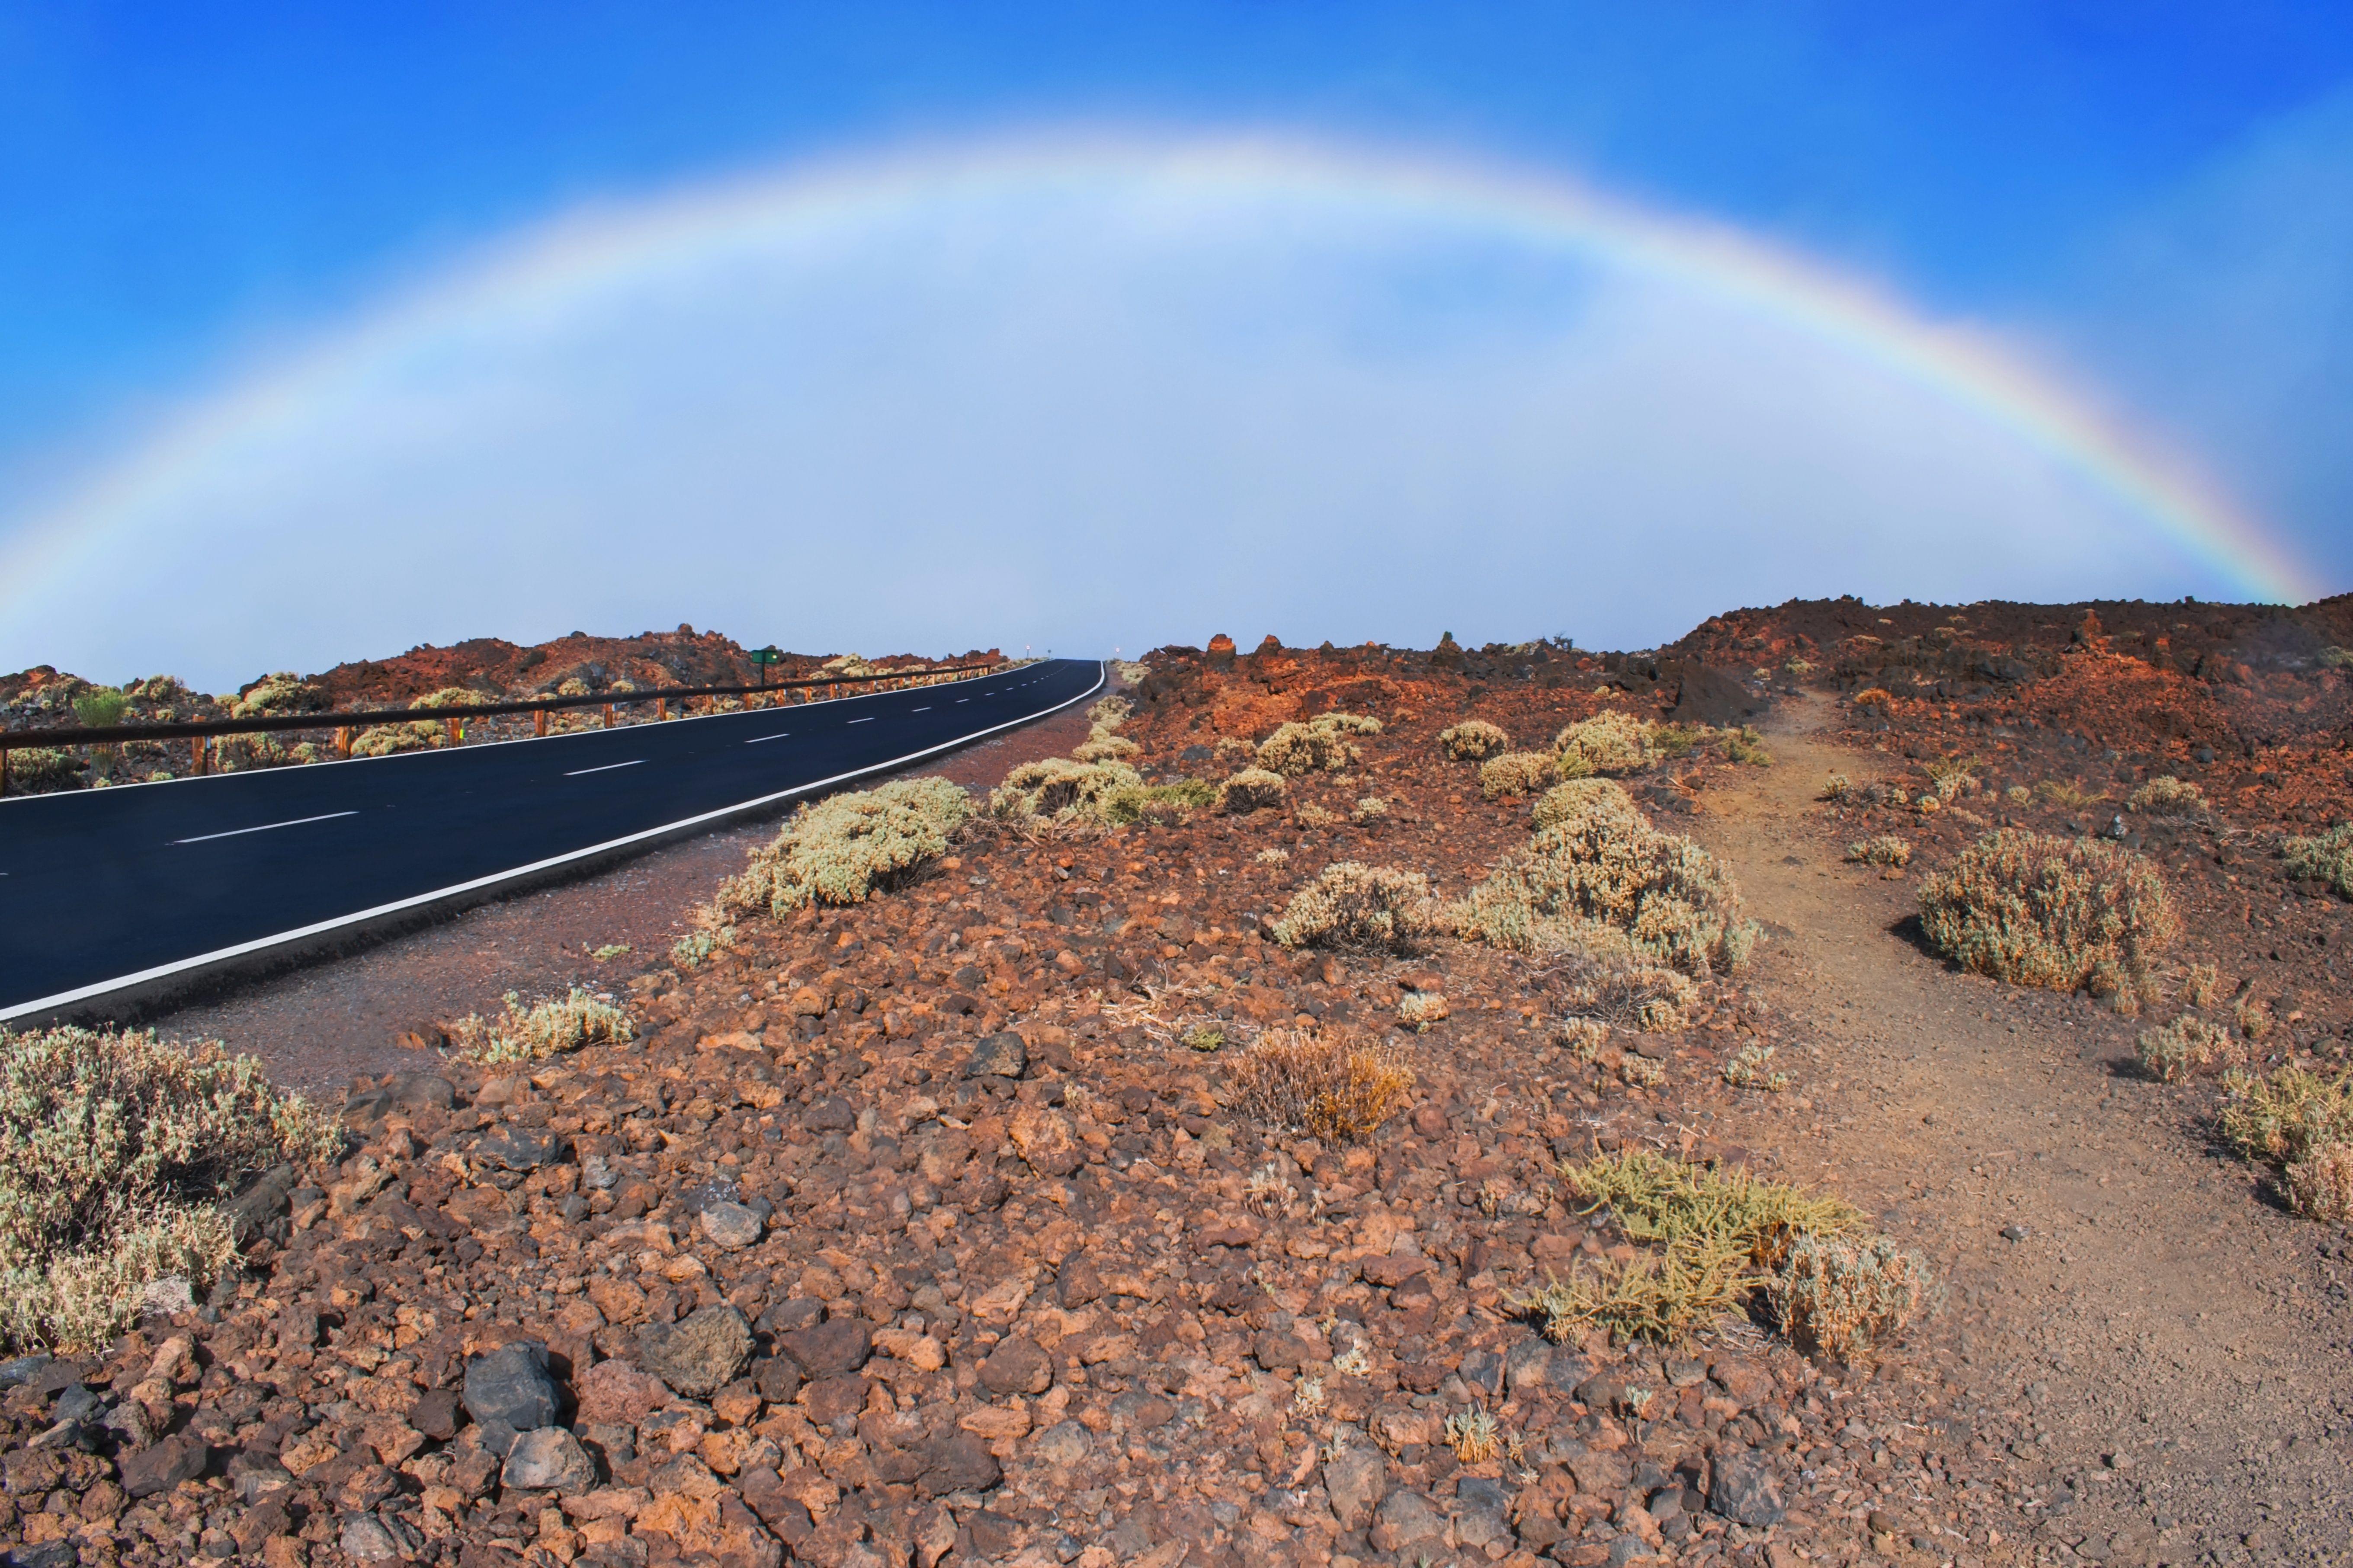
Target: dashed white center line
x=778 y=736
x=297 y=822
x=867 y=720
x=919 y=710
x=962 y=700
x=607 y=768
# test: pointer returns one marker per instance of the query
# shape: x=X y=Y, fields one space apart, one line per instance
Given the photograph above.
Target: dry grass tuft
x=1752 y=1067
x=1329 y=1087
x=113 y=1149
x=1839 y=790
x=1471 y=1433
x=1515 y=774
x=2053 y=912
x=2201 y=986
x=2326 y=857
x=2186 y=1046
x=1609 y=742
x=845 y=848
x=1473 y=742
x=1372 y=909
x=543 y=1029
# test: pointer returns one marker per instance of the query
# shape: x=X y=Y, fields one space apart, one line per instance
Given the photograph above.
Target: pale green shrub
x=41 y=770
x=1059 y=788
x=1885 y=850
x=113 y=1148
x=1839 y=790
x=466 y=697
x=284 y=692
x=384 y=739
x=2281 y=1117
x=2187 y=1045
x=842 y=850
x=1111 y=713
x=1420 y=1009
x=1163 y=802
x=1515 y=774
x=1587 y=800
x=1746 y=747
x=2053 y=912
x=542 y=1030
x=1840 y=1295
x=2328 y=858
x=2320 y=1185
x=1319 y=746
x=1253 y=789
x=1609 y=742
x=1474 y=741
x=1369 y=808
x=1104 y=747
x=696 y=949
x=2166 y=795
x=1359 y=907
x=1752 y=1067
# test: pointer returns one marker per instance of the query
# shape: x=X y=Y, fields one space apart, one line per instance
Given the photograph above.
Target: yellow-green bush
x=2054 y=912
x=40 y=769
x=2187 y=1045
x=1104 y=747
x=1885 y=850
x=1319 y=746
x=1515 y=774
x=1253 y=789
x=1111 y=713
x=113 y=1149
x=1059 y=788
x=1601 y=879
x=2166 y=795
x=842 y=850
x=2326 y=857
x=1474 y=741
x=1359 y=907
x=384 y=739
x=2320 y=1185
x=543 y=1029
x=1609 y=742
x=284 y=692
x=2280 y=1117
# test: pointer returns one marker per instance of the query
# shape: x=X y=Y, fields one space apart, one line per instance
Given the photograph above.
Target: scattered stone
x=182 y=1456
x=1001 y=1055
x=731 y=1226
x=549 y=1459
x=703 y=1354
x=510 y=1388
x=1744 y=1489
x=831 y=1349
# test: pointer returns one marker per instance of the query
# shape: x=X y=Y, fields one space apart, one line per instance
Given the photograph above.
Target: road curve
x=116 y=891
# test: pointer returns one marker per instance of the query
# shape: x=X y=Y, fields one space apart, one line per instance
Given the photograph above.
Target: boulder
x=510 y=1387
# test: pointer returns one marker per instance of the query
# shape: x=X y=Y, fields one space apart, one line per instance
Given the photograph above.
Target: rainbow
x=646 y=241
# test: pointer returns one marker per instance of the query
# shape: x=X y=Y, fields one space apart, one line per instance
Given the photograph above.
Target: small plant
x=1640 y=1071
x=1838 y=789
x=2281 y=1119
x=2335 y=659
x=1104 y=747
x=1267 y=1194
x=2053 y=912
x=610 y=951
x=1600 y=804
x=1205 y=1037
x=113 y=1149
x=2187 y=1045
x=542 y=1030
x=1307 y=1395
x=2017 y=795
x=2252 y=1017
x=1678 y=740
x=2326 y=858
x=1054 y=789
x=1420 y=1009
x=2201 y=986
x=1307 y=813
x=1363 y=908
x=1471 y=1433
x=1515 y=774
x=2166 y=795
x=284 y=692
x=2320 y=1185
x=1354 y=1362
x=1584 y=1038
x=1111 y=712
x=845 y=848
x=1253 y=789
x=1319 y=746
x=1752 y=1067
x=1332 y=1089
x=2068 y=796
x=1369 y=808
x=1473 y=742
x=42 y=770
x=99 y=706
x=1877 y=697
x=1885 y=850
x=1839 y=1296
x=1276 y=857
x=1609 y=742
x=1745 y=746
x=696 y=949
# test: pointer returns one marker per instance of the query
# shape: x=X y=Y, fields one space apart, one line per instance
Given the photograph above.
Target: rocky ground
x=917 y=1231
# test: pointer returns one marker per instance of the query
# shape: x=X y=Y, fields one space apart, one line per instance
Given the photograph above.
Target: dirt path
x=2151 y=1357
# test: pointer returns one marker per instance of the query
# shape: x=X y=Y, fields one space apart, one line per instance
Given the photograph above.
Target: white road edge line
x=233 y=832
x=607 y=768
x=100 y=988
x=778 y=736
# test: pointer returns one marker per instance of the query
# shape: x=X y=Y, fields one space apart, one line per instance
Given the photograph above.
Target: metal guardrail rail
x=345 y=721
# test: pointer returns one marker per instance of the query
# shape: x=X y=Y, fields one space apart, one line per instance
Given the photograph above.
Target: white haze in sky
x=1083 y=424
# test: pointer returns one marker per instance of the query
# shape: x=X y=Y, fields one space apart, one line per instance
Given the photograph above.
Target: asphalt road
x=102 y=890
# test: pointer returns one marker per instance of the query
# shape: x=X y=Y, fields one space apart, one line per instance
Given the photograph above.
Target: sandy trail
x=2177 y=1345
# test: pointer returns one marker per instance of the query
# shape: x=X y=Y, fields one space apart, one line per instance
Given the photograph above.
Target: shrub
x=542 y=1030
x=1111 y=712
x=1275 y=857
x=1607 y=981
x=238 y=753
x=113 y=1148
x=1838 y=789
x=1375 y=909
x=99 y=706
x=1874 y=697
x=1253 y=789
x=284 y=692
x=2068 y=796
x=2054 y=912
x=1609 y=742
x=1162 y=803
x=2280 y=1119
x=1709 y=1235
x=1105 y=748
x=384 y=739
x=1319 y=746
x=2320 y=1186
x=1059 y=789
x=1515 y=774
x=1420 y=1009
x=1838 y=1296
x=2201 y=986
x=2188 y=1045
x=40 y=769
x=1369 y=808
x=1474 y=741
x=1669 y=901
x=1471 y=1433
x=466 y=697
x=1745 y=746
x=1584 y=1038
x=696 y=949
x=2166 y=795
x=1885 y=850
x=1752 y=1067
x=2329 y=858
x=1332 y=1089
x=1680 y=740
x=842 y=850
x=1586 y=799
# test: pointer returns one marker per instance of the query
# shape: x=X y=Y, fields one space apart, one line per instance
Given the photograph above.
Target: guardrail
x=345 y=721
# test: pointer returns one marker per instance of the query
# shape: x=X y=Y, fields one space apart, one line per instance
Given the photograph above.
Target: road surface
x=116 y=891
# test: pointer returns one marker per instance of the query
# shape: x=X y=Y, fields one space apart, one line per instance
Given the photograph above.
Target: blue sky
x=2150 y=200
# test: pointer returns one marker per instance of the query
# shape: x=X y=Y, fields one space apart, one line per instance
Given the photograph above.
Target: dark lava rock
x=510 y=1387
x=1744 y=1489
x=1017 y=1366
x=179 y=1457
x=521 y=1148
x=1716 y=696
x=1000 y=1054
x=830 y=1349
x=959 y=1463
x=700 y=1355
x=831 y=1114
x=435 y=1414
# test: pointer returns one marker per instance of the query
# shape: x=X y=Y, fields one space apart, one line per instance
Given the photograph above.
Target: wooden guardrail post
x=539 y=723
x=608 y=715
x=450 y=729
x=661 y=706
x=343 y=741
